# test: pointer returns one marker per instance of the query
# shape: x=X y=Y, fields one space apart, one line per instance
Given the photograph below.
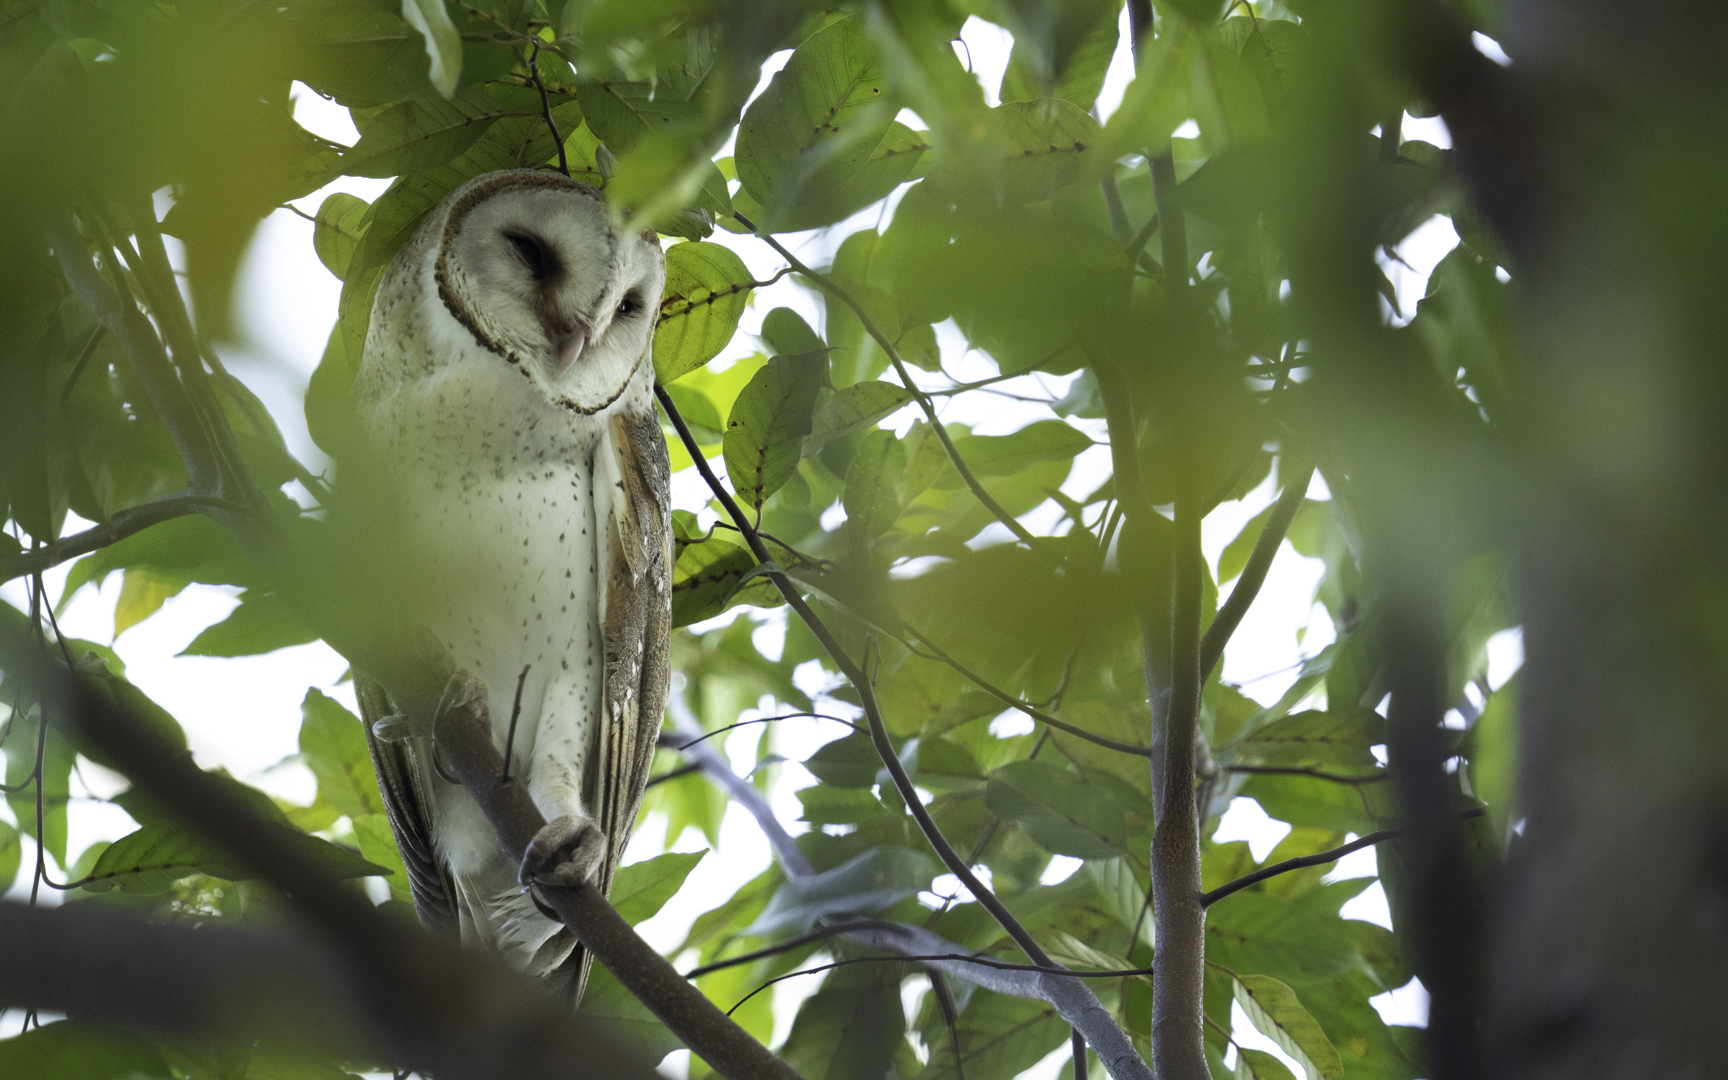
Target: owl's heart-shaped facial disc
x=532 y=266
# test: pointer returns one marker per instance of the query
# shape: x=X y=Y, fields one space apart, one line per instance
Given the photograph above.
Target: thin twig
x=765 y=720
x=1254 y=571
x=124 y=523
x=1307 y=770
x=1207 y=899
x=923 y=399
x=546 y=107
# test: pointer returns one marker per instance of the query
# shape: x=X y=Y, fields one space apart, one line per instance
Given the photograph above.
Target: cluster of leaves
x=1030 y=227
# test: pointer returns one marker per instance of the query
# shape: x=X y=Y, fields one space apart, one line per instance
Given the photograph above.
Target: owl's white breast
x=495 y=486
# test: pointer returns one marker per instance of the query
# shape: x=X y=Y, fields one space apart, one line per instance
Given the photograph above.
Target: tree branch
x=742 y=791
x=463 y=734
x=449 y=1012
x=1320 y=859
x=124 y=523
x=923 y=399
x=289 y=988
x=1253 y=572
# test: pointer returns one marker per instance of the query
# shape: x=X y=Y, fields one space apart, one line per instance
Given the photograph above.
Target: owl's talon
x=567 y=851
x=398 y=726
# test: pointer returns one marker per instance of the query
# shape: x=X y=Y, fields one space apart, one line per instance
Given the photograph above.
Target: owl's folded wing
x=405 y=780
x=636 y=618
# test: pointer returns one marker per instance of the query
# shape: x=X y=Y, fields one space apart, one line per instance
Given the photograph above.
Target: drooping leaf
x=707 y=288
x=334 y=746
x=641 y=889
x=850 y=1028
x=418 y=135
x=865 y=885
x=1277 y=1014
x=1059 y=809
x=807 y=147
x=163 y=852
x=765 y=432
x=263 y=623
x=1259 y=1065
x=788 y=334
x=75 y=1050
x=338 y=230
x=852 y=409
x=873 y=485
x=11 y=855
x=849 y=762
x=443 y=42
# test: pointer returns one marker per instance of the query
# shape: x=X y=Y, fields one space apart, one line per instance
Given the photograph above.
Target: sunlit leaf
x=641 y=889
x=1277 y=1014
x=707 y=287
x=765 y=432
x=334 y=746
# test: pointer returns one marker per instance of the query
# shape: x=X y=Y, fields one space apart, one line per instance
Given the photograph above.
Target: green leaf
x=765 y=432
x=865 y=885
x=852 y=409
x=24 y=729
x=443 y=43
x=1259 y=1065
x=873 y=485
x=418 y=135
x=807 y=149
x=190 y=548
x=709 y=577
x=1278 y=1015
x=145 y=810
x=607 y=1002
x=338 y=231
x=1039 y=66
x=1255 y=931
x=641 y=889
x=142 y=593
x=75 y=1050
x=378 y=846
x=1313 y=738
x=788 y=334
x=263 y=623
x=98 y=675
x=1007 y=455
x=11 y=855
x=850 y=1028
x=333 y=743
x=1050 y=144
x=825 y=804
x=707 y=289
x=163 y=852
x=999 y=1037
x=849 y=762
x=1058 y=809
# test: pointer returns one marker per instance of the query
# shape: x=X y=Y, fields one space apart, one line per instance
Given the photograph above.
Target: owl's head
x=530 y=264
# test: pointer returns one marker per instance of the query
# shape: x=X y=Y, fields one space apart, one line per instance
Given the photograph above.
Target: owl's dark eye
x=629 y=306
x=534 y=254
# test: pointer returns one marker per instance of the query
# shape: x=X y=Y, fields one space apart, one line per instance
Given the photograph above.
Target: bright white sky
x=243 y=714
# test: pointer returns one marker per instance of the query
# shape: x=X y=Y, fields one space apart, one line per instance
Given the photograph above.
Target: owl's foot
x=566 y=852
x=399 y=726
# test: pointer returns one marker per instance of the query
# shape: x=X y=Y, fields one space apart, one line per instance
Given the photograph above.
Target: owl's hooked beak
x=567 y=347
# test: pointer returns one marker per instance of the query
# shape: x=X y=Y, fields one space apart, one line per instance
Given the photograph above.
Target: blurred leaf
x=850 y=1028
x=849 y=762
x=443 y=43
x=141 y=594
x=789 y=335
x=1313 y=738
x=1493 y=753
x=333 y=743
x=1050 y=144
x=339 y=229
x=75 y=1050
x=807 y=149
x=1259 y=1065
x=263 y=623
x=378 y=846
x=641 y=889
x=707 y=288
x=852 y=409
x=865 y=885
x=23 y=731
x=1279 y=1016
x=873 y=485
x=1058 y=809
x=1067 y=60
x=162 y=852
x=11 y=855
x=765 y=432
x=97 y=674
x=418 y=135
x=606 y=1001
x=999 y=1036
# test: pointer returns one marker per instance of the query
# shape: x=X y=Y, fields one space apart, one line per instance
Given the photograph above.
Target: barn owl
x=507 y=395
